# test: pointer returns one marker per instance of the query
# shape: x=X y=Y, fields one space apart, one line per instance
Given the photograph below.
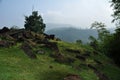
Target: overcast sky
x=80 y=13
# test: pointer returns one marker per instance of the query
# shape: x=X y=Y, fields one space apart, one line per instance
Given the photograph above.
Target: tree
x=93 y=42
x=103 y=37
x=114 y=42
x=79 y=41
x=102 y=31
x=116 y=9
x=14 y=27
x=34 y=23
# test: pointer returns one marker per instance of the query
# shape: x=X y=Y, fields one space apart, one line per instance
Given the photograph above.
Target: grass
x=112 y=71
x=15 y=65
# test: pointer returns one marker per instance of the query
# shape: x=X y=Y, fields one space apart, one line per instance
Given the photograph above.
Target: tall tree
x=34 y=23
x=102 y=31
x=114 y=45
x=103 y=34
x=116 y=9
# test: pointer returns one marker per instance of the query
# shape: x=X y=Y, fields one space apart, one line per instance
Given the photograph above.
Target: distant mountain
x=50 y=26
x=69 y=33
x=73 y=34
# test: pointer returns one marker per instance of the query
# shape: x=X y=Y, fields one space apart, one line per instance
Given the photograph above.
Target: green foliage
x=116 y=7
x=104 y=35
x=111 y=71
x=14 y=27
x=79 y=41
x=34 y=23
x=106 y=43
x=102 y=31
x=113 y=44
x=93 y=42
x=114 y=48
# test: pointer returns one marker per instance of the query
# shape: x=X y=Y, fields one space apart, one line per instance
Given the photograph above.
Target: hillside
x=25 y=55
x=15 y=65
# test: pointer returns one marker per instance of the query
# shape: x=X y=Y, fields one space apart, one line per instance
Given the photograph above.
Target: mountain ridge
x=71 y=34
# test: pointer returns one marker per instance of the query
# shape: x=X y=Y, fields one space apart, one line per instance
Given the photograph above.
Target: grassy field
x=16 y=65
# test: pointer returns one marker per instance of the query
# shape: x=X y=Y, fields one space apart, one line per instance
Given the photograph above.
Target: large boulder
x=4 y=30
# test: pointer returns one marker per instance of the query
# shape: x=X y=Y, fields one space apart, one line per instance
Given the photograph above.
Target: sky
x=79 y=13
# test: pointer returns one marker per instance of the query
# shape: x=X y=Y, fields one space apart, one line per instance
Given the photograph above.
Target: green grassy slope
x=15 y=65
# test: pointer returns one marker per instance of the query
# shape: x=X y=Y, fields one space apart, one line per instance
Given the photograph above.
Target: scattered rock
x=53 y=46
x=95 y=52
x=40 y=52
x=98 y=62
x=73 y=51
x=87 y=54
x=70 y=60
x=101 y=75
x=4 y=30
x=92 y=67
x=6 y=44
x=59 y=58
x=28 y=50
x=62 y=59
x=52 y=36
x=72 y=77
x=98 y=73
x=50 y=67
x=58 y=39
x=80 y=57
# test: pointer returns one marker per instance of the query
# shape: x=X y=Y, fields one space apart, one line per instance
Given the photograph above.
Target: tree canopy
x=111 y=42
x=34 y=23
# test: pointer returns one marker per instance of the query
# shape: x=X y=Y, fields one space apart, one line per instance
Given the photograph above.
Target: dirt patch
x=72 y=77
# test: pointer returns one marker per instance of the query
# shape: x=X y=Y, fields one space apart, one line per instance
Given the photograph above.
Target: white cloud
x=81 y=13
x=54 y=17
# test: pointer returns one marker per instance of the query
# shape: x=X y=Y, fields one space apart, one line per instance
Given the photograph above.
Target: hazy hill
x=70 y=33
x=73 y=34
x=51 y=26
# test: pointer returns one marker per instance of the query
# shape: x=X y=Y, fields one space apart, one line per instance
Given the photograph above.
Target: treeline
x=108 y=43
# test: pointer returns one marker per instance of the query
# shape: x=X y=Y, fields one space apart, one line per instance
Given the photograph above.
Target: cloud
x=54 y=17
x=81 y=13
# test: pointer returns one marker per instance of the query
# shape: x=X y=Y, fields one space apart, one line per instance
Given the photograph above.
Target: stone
x=4 y=30
x=73 y=51
x=98 y=62
x=40 y=52
x=6 y=44
x=80 y=57
x=28 y=50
